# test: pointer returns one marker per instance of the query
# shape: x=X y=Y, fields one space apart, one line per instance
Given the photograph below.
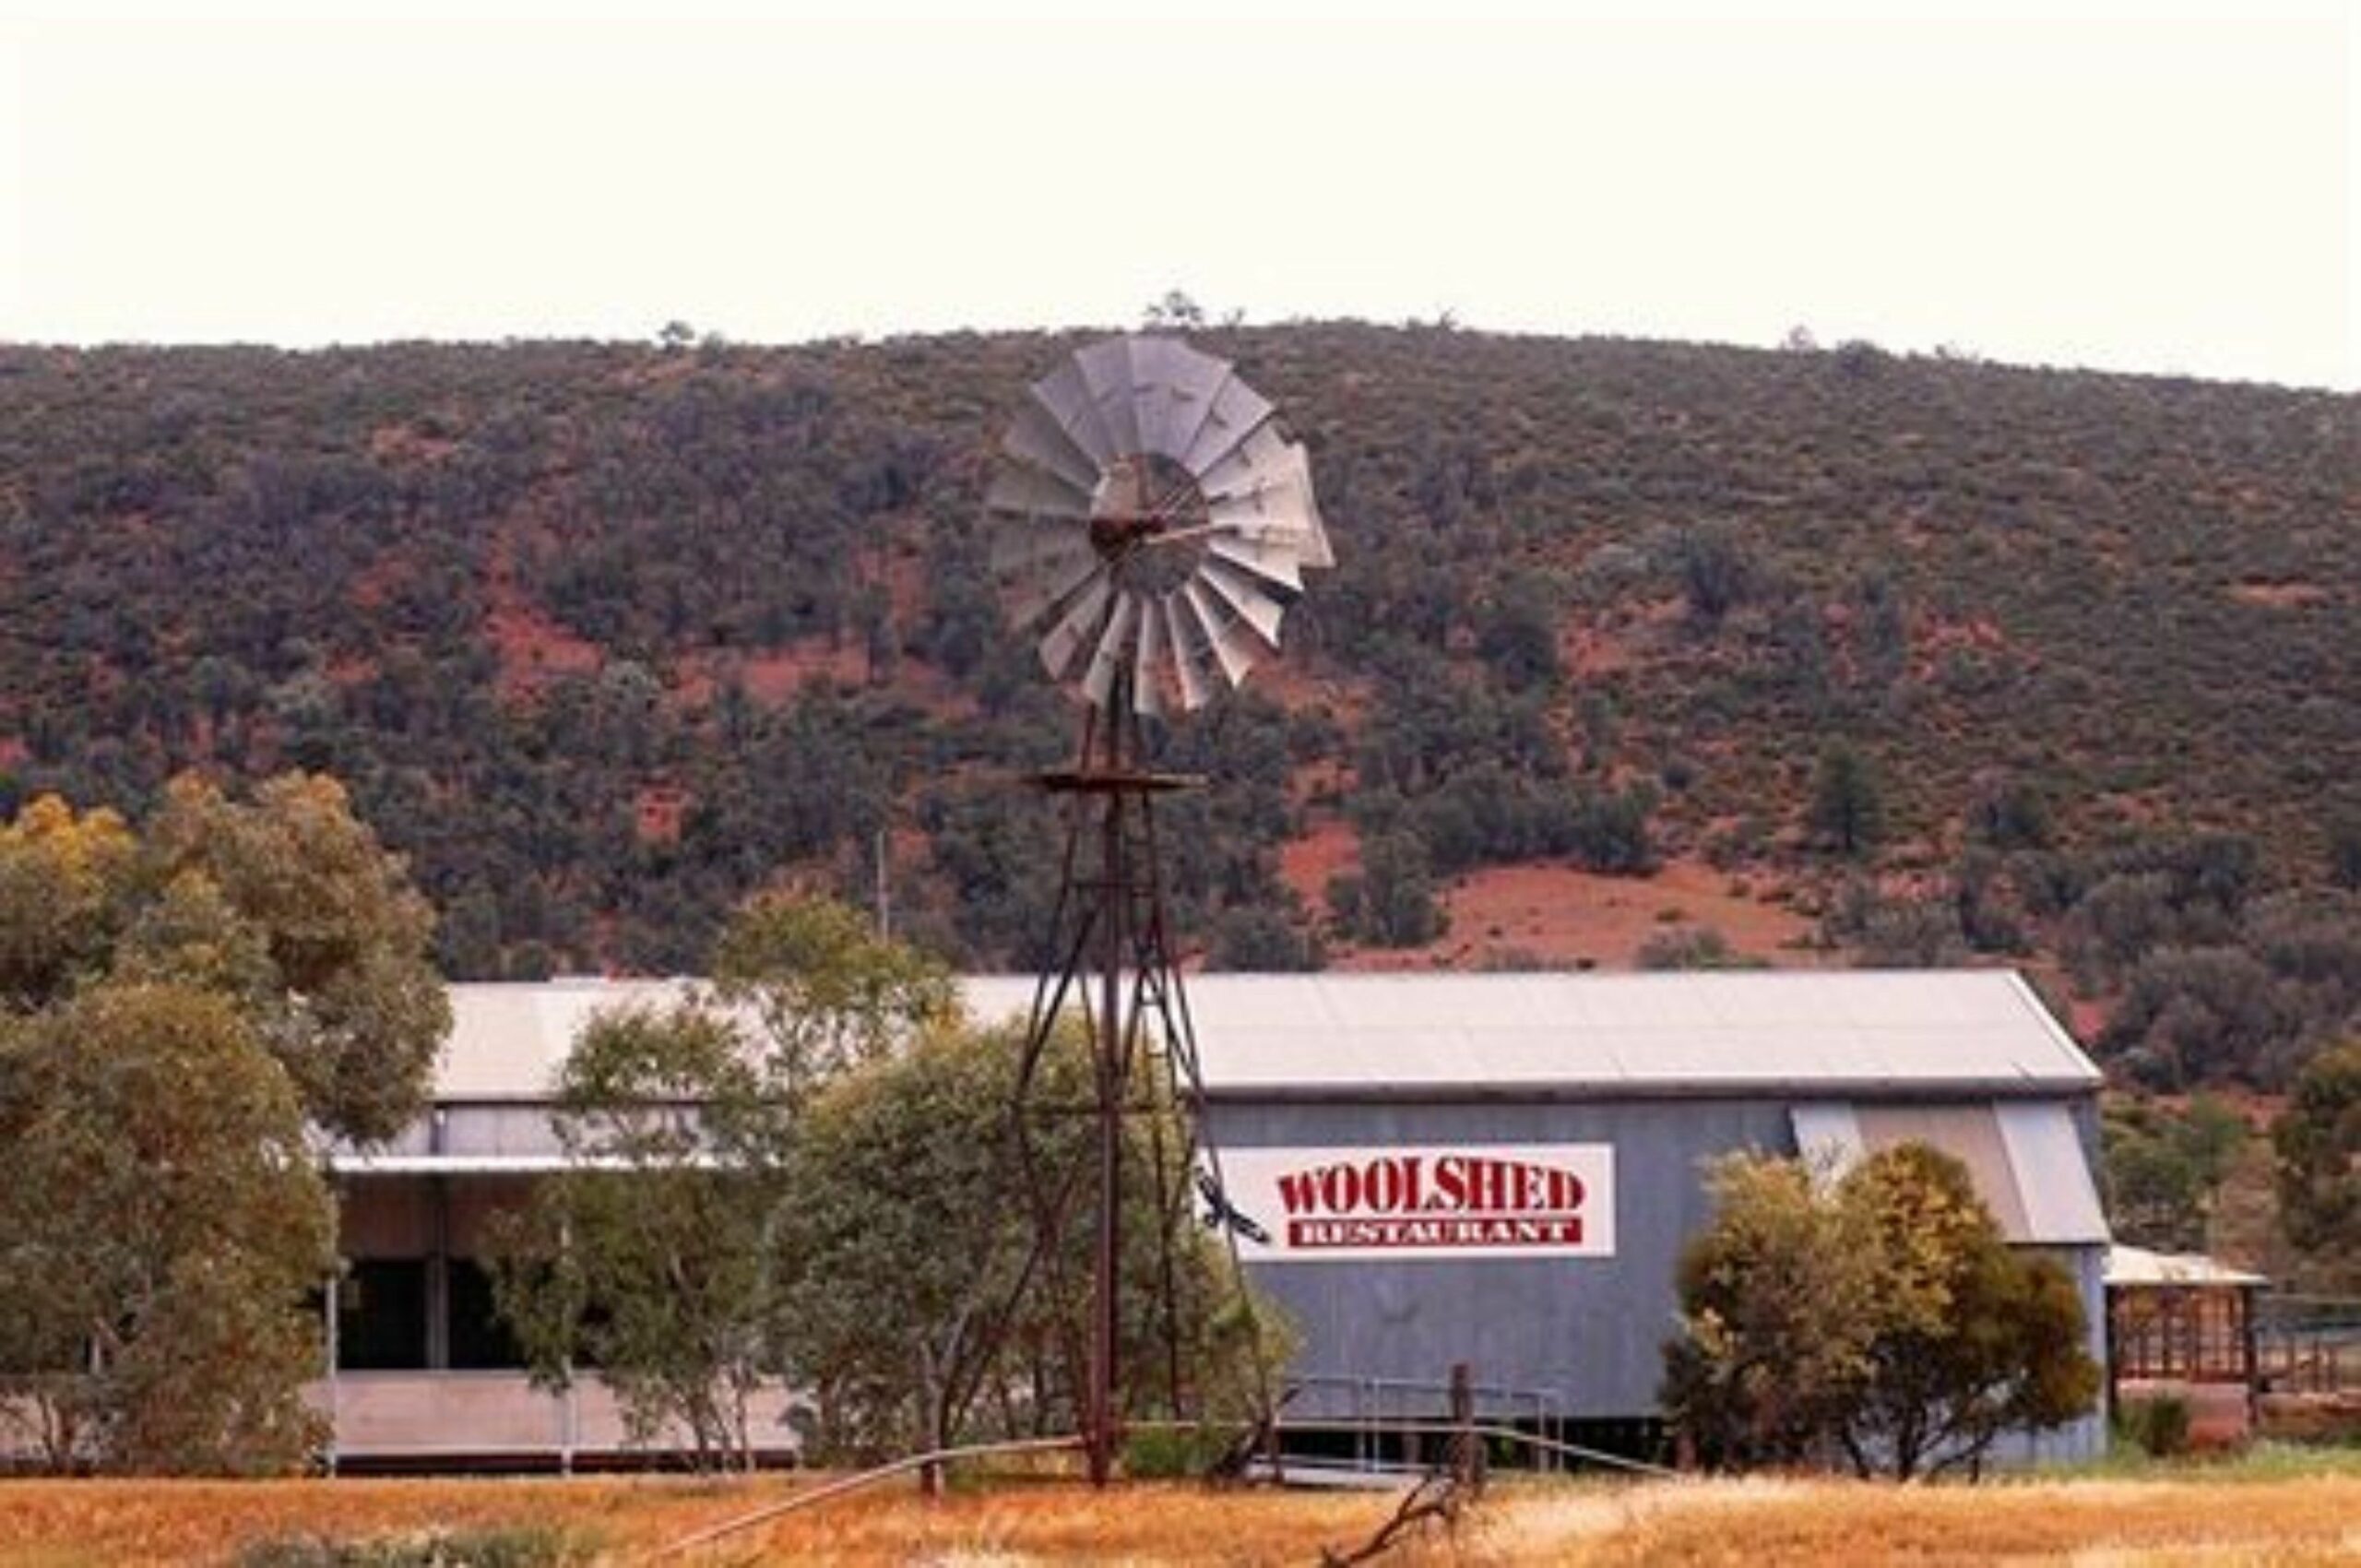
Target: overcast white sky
x=2162 y=188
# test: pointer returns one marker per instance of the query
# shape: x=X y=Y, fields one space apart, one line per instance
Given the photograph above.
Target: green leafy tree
x=1517 y=633
x=65 y=881
x=1715 y=571
x=2345 y=852
x=182 y=1001
x=923 y=1312
x=2011 y=814
x=160 y=1226
x=287 y=902
x=2165 y=1170
x=1391 y=901
x=828 y=990
x=1970 y=1338
x=1880 y=1316
x=1847 y=806
x=662 y=1257
x=1261 y=938
x=1776 y=1318
x=651 y=1259
x=2318 y=1142
x=2203 y=1015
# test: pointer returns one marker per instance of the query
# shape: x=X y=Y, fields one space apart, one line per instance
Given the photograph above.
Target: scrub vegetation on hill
x=1936 y=660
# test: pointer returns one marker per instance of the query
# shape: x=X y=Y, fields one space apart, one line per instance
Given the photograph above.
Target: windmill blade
x=1245 y=599
x=1107 y=659
x=1231 y=642
x=1273 y=560
x=1035 y=439
x=1277 y=503
x=1316 y=551
x=1277 y=510
x=1020 y=489
x=1041 y=590
x=1181 y=383
x=1113 y=386
x=1262 y=458
x=1150 y=673
x=1237 y=411
x=1066 y=398
x=1185 y=634
x=1075 y=626
x=1276 y=527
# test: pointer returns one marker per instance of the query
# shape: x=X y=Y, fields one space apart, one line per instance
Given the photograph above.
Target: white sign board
x=1421 y=1201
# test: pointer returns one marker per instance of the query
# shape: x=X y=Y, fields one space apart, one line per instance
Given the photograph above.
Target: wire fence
x=2308 y=1344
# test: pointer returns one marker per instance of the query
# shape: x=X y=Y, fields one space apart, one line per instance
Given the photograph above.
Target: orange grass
x=70 y=1524
x=2197 y=1519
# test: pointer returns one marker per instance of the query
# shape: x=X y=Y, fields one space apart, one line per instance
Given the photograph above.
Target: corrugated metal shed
x=1666 y=1072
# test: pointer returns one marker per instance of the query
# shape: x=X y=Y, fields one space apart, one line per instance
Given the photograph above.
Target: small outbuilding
x=2182 y=1325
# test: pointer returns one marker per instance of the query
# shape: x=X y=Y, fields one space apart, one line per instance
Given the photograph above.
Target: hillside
x=1626 y=640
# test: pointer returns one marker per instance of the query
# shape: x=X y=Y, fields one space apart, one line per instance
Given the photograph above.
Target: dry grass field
x=2231 y=1515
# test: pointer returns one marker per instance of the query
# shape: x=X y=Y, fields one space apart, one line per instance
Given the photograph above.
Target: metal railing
x=2308 y=1344
x=1405 y=1409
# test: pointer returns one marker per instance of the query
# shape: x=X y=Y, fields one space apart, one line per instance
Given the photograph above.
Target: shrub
x=1847 y=806
x=1392 y=903
x=1879 y=1315
x=1692 y=947
x=508 y=1546
x=2157 y=1425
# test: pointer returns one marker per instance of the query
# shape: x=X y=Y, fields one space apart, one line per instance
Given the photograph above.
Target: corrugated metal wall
x=1586 y=1331
x=1587 y=1334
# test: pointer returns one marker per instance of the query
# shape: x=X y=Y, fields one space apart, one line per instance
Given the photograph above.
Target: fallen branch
x=856 y=1483
x=1439 y=1496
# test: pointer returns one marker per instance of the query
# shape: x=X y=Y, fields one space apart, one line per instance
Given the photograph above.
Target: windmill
x=1151 y=522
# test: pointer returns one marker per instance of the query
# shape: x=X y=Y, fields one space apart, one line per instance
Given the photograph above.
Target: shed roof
x=2139 y=1266
x=1860 y=1032
x=1821 y=1034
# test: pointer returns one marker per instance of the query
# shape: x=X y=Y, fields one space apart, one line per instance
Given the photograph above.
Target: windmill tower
x=1152 y=519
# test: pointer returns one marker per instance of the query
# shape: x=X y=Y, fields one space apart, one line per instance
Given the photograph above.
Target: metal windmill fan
x=1153 y=520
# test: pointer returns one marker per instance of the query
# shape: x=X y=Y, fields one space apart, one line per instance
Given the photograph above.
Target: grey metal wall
x=1589 y=1332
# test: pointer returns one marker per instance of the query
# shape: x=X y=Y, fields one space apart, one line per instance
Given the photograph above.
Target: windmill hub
x=1150 y=523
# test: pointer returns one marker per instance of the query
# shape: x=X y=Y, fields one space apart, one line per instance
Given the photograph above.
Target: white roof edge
x=2139 y=1266
x=345 y=1162
x=2051 y=1023
x=1806 y=1033
x=1784 y=1090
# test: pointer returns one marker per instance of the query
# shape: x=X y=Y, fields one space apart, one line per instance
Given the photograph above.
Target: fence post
x=1467 y=1448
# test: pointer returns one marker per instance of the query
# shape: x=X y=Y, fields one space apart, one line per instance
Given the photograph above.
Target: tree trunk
x=930 y=1423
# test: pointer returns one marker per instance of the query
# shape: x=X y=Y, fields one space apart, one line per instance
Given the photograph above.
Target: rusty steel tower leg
x=1099 y=1419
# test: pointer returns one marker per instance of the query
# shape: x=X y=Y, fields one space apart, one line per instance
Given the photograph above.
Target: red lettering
x=1451 y=1183
x=1446 y=1184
